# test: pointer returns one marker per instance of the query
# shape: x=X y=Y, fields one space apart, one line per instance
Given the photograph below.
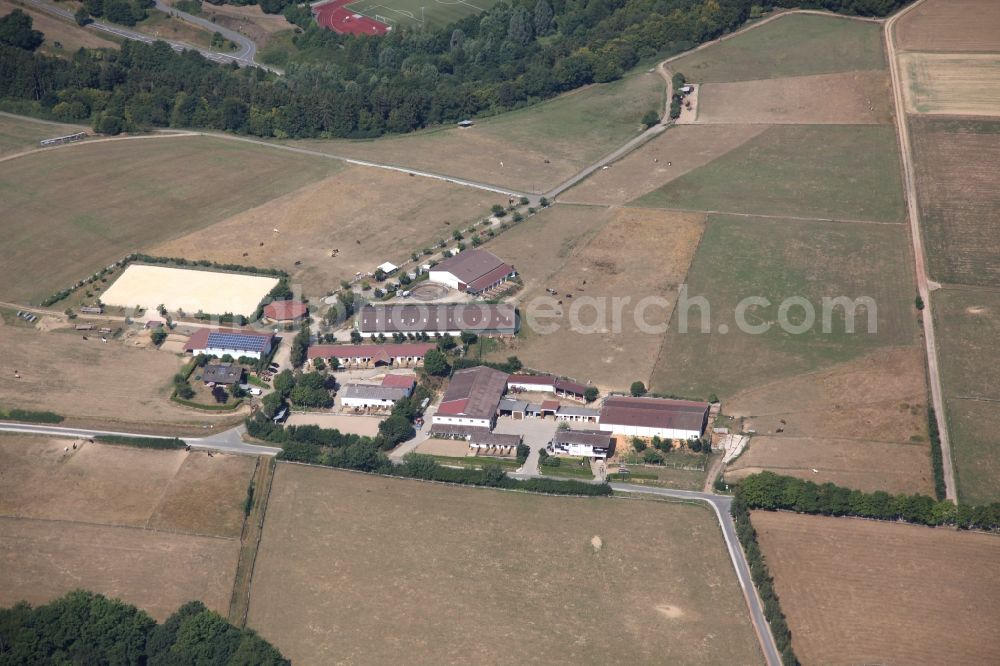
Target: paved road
x=229 y=441
x=721 y=505
x=244 y=55
x=923 y=283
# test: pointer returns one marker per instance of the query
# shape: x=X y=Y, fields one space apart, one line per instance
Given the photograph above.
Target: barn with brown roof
x=472 y=271
x=472 y=398
x=285 y=311
x=433 y=319
x=653 y=417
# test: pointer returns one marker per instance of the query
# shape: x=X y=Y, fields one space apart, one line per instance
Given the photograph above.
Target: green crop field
x=91 y=204
x=968 y=327
x=430 y=13
x=777 y=259
x=793 y=45
x=818 y=171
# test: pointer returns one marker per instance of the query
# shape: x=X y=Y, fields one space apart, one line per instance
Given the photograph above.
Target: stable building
x=405 y=382
x=472 y=398
x=583 y=443
x=450 y=318
x=472 y=271
x=653 y=417
x=402 y=354
x=231 y=342
x=285 y=312
x=564 y=388
x=367 y=396
x=577 y=414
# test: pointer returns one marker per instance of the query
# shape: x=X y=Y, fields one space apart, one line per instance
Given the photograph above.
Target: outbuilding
x=472 y=271
x=285 y=311
x=653 y=417
x=368 y=395
x=472 y=398
x=584 y=443
x=396 y=354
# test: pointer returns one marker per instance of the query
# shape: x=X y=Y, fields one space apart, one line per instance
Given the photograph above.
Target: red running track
x=334 y=16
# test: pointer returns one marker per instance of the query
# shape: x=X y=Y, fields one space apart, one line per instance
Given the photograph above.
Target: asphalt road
x=721 y=505
x=229 y=441
x=923 y=283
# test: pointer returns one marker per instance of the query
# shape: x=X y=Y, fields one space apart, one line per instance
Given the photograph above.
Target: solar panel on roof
x=237 y=341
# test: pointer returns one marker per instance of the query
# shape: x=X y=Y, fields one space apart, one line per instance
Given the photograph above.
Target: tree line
x=87 y=628
x=773 y=492
x=512 y=55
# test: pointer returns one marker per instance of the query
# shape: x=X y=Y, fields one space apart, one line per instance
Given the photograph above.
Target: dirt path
x=713 y=473
x=923 y=284
x=253 y=526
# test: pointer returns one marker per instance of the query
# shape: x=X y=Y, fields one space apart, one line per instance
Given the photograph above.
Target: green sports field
x=431 y=13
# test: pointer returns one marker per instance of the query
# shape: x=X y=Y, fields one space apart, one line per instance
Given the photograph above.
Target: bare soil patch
x=954 y=26
x=156 y=571
x=591 y=342
x=114 y=382
x=444 y=447
x=668 y=156
x=861 y=424
x=465 y=575
x=867 y=592
x=368 y=215
x=848 y=98
x=951 y=84
x=956 y=163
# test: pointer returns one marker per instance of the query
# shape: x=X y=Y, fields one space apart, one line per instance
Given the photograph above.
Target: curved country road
x=919 y=256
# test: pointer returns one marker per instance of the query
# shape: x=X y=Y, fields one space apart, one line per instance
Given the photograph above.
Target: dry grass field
x=954 y=26
x=165 y=26
x=607 y=349
x=98 y=201
x=67 y=33
x=674 y=153
x=18 y=133
x=792 y=45
x=951 y=84
x=860 y=424
x=816 y=171
x=846 y=98
x=511 y=149
x=188 y=290
x=154 y=528
x=956 y=163
x=357 y=569
x=778 y=259
x=968 y=324
x=866 y=592
x=87 y=380
x=369 y=215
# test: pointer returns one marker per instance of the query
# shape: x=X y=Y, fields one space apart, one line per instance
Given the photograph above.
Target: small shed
x=465 y=124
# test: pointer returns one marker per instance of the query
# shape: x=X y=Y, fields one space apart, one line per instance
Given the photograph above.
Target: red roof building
x=399 y=381
x=285 y=310
x=472 y=398
x=407 y=353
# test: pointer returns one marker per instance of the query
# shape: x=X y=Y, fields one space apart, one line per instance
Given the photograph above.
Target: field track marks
x=794 y=218
x=253 y=527
x=920 y=258
x=90 y=142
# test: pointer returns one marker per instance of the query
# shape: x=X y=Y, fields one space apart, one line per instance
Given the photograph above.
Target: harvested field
x=614 y=264
x=956 y=163
x=669 y=156
x=949 y=84
x=867 y=592
x=792 y=45
x=861 y=424
x=779 y=259
x=18 y=133
x=816 y=171
x=847 y=98
x=510 y=150
x=954 y=26
x=188 y=290
x=968 y=325
x=357 y=425
x=152 y=190
x=156 y=571
x=67 y=33
x=119 y=485
x=441 y=565
x=368 y=215
x=85 y=379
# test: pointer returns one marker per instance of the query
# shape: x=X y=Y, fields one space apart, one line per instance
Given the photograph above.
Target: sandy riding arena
x=189 y=290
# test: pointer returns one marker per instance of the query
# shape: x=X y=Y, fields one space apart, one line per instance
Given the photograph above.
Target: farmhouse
x=369 y=395
x=235 y=343
x=222 y=373
x=285 y=311
x=472 y=398
x=585 y=443
x=472 y=271
x=451 y=318
x=653 y=417
x=404 y=354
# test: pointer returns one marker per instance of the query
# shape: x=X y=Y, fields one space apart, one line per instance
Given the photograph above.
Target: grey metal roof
x=578 y=411
x=508 y=405
x=370 y=392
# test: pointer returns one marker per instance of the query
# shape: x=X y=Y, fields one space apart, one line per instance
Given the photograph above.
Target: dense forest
x=511 y=55
x=87 y=628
